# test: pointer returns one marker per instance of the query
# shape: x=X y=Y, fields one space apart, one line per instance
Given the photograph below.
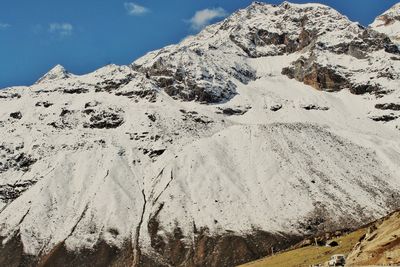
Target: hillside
x=380 y=245
x=310 y=255
x=280 y=122
x=372 y=245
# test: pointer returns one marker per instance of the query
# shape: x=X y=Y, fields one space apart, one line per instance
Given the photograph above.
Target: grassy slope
x=309 y=255
x=381 y=246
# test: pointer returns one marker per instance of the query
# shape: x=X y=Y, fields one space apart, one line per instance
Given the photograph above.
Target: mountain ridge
x=204 y=153
x=388 y=23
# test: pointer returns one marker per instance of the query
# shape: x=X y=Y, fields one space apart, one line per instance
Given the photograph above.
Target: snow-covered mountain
x=276 y=123
x=389 y=23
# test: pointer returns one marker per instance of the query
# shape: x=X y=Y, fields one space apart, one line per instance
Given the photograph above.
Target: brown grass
x=307 y=256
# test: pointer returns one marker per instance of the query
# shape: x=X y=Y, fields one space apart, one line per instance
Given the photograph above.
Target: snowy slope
x=389 y=23
x=204 y=144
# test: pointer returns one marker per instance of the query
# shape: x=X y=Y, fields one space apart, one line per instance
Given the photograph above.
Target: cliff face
x=204 y=153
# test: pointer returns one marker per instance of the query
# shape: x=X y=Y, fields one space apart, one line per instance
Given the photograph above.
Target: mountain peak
x=58 y=72
x=286 y=5
x=389 y=23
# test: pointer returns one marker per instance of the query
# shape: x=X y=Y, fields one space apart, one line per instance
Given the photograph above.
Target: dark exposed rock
x=152 y=117
x=95 y=118
x=233 y=111
x=65 y=112
x=322 y=239
x=8 y=95
x=76 y=91
x=388 y=73
x=385 y=118
x=44 y=104
x=202 y=119
x=367 y=42
x=10 y=192
x=19 y=162
x=205 y=93
x=150 y=95
x=275 y=107
x=359 y=89
x=112 y=85
x=314 y=107
x=388 y=106
x=332 y=244
x=91 y=104
x=102 y=255
x=195 y=117
x=88 y=111
x=188 y=85
x=281 y=41
x=23 y=162
x=105 y=119
x=315 y=75
x=156 y=153
x=325 y=78
x=58 y=125
x=204 y=249
x=16 y=115
x=382 y=93
x=12 y=253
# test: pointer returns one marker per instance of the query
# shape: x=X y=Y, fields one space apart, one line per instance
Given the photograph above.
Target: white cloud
x=63 y=29
x=135 y=9
x=4 y=25
x=204 y=17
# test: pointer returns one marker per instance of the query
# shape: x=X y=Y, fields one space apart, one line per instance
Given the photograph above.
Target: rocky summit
x=278 y=123
x=389 y=23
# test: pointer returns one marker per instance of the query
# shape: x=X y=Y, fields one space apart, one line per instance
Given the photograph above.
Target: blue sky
x=83 y=35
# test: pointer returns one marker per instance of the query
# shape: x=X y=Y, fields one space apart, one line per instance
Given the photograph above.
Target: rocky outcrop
x=188 y=71
x=16 y=115
x=314 y=107
x=75 y=91
x=229 y=111
x=8 y=95
x=213 y=251
x=102 y=255
x=104 y=119
x=9 y=192
x=205 y=249
x=388 y=106
x=316 y=75
x=44 y=104
x=193 y=84
x=275 y=107
x=385 y=118
x=283 y=42
x=19 y=162
x=329 y=77
x=380 y=245
x=113 y=85
x=367 y=41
